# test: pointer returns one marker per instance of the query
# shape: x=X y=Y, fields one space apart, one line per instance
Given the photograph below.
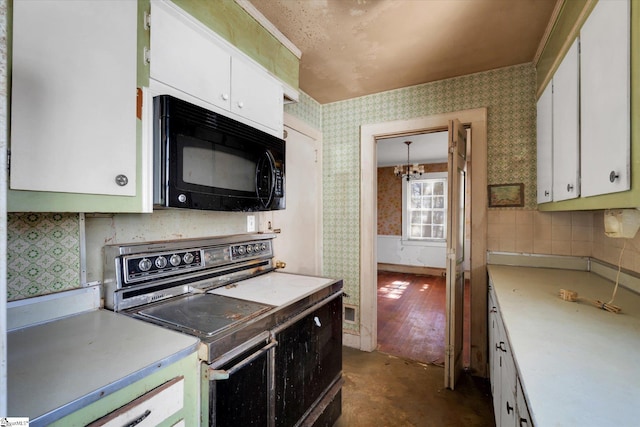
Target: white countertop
x=579 y=365
x=59 y=367
x=274 y=288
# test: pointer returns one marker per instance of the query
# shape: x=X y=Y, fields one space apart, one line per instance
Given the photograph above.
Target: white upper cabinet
x=185 y=56
x=545 y=145
x=605 y=99
x=73 y=104
x=189 y=59
x=256 y=96
x=565 y=125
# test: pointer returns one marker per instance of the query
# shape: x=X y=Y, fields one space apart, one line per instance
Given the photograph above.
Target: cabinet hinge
x=146 y=55
x=147 y=20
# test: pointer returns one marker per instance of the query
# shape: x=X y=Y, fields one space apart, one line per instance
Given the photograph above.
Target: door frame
x=477 y=179
x=304 y=128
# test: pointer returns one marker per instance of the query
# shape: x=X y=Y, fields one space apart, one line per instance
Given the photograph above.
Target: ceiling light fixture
x=408 y=171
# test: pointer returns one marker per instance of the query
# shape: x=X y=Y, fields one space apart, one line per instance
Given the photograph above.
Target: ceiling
x=424 y=148
x=352 y=48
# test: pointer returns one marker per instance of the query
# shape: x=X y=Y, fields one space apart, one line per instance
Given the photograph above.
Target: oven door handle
x=224 y=374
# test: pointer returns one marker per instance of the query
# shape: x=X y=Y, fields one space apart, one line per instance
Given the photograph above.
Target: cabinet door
x=73 y=112
x=508 y=379
x=605 y=99
x=545 y=145
x=256 y=96
x=566 y=142
x=308 y=359
x=185 y=57
x=524 y=418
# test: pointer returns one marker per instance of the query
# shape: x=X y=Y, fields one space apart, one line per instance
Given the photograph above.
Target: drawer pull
x=509 y=408
x=140 y=419
x=523 y=422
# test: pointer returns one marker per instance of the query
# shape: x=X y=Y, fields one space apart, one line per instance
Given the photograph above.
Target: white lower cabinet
x=169 y=397
x=509 y=403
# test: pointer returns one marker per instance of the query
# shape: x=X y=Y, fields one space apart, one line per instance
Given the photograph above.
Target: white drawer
x=150 y=409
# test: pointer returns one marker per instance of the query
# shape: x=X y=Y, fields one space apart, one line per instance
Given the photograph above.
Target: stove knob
x=188 y=258
x=263 y=246
x=175 y=260
x=241 y=250
x=256 y=247
x=145 y=264
x=249 y=249
x=161 y=262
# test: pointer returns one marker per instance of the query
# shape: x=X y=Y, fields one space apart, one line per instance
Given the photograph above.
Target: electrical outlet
x=251 y=223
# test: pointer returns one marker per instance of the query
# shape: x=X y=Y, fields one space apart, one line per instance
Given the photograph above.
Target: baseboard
x=412 y=269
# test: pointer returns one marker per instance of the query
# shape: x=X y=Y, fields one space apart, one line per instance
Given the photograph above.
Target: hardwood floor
x=411 y=317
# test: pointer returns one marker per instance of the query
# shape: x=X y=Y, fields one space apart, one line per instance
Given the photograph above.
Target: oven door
x=238 y=388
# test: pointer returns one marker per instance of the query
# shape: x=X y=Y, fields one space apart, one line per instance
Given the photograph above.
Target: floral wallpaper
x=43 y=254
x=390 y=199
x=509 y=95
x=306 y=109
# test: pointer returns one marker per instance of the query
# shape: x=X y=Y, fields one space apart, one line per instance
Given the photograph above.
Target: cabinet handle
x=546 y=192
x=138 y=420
x=240 y=104
x=509 y=408
x=501 y=347
x=613 y=176
x=122 y=180
x=569 y=188
x=523 y=422
x=493 y=310
x=224 y=96
x=224 y=374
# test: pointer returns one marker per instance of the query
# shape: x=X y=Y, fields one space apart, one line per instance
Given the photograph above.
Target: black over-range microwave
x=204 y=160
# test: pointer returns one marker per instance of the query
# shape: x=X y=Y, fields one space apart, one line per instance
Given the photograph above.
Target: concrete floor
x=386 y=391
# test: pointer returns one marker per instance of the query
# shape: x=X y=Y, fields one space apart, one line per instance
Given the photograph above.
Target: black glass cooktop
x=204 y=314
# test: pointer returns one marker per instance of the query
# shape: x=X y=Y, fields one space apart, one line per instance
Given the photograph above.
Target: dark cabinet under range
x=291 y=376
x=308 y=361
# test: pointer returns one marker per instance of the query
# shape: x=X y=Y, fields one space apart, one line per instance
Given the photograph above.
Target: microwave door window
x=212 y=166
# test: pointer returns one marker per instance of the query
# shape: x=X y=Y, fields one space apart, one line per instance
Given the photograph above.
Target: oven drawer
x=150 y=409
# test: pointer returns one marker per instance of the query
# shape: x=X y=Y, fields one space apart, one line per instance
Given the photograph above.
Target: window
x=426 y=208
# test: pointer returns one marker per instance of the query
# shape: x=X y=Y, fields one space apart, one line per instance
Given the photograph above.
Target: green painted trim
x=187 y=367
x=231 y=22
x=625 y=199
x=565 y=30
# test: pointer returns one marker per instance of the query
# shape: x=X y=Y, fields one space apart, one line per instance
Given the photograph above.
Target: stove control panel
x=251 y=250
x=145 y=267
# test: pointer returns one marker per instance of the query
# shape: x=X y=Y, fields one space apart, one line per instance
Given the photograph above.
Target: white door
x=299 y=242
x=455 y=253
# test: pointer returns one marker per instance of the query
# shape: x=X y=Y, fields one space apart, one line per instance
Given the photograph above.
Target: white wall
x=392 y=250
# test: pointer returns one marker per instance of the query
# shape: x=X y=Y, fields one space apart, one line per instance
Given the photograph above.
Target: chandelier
x=408 y=171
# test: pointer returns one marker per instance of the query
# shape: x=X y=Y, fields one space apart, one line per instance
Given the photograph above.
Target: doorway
x=411 y=240
x=476 y=119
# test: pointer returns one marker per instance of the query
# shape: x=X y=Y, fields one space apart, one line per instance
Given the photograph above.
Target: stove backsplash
x=43 y=249
x=43 y=254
